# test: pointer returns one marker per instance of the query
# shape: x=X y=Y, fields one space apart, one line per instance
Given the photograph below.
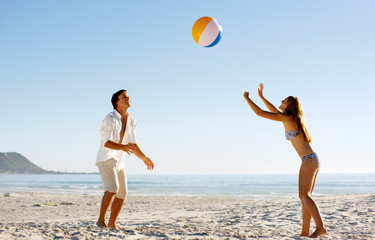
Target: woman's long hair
x=294 y=108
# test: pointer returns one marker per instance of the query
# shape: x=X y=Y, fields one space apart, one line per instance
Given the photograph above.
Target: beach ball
x=207 y=31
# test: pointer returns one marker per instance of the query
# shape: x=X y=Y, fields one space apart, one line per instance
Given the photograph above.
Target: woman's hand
x=260 y=90
x=246 y=95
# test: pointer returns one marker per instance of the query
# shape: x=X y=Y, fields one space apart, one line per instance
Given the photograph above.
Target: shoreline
x=255 y=197
x=73 y=216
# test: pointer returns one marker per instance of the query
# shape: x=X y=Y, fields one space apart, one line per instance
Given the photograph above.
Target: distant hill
x=12 y=162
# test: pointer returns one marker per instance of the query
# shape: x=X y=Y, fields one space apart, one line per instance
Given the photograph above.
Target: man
x=118 y=137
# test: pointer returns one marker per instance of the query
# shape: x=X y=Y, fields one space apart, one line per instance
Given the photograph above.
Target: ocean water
x=227 y=186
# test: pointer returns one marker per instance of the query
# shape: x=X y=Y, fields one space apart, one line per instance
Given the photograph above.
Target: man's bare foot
x=319 y=232
x=304 y=234
x=101 y=224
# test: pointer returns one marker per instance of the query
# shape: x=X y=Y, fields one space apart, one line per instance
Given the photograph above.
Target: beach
x=73 y=216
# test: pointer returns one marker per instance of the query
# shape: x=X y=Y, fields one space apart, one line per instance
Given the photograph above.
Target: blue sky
x=60 y=62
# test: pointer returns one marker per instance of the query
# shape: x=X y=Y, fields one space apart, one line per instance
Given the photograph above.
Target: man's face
x=123 y=100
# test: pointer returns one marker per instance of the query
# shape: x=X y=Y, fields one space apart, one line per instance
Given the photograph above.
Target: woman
x=291 y=115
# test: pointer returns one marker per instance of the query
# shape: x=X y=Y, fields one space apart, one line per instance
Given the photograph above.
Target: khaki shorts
x=114 y=181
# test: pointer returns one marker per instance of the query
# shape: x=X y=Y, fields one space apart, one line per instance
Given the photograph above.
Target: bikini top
x=290 y=135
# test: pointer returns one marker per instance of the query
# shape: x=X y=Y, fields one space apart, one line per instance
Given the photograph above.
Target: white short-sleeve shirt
x=110 y=130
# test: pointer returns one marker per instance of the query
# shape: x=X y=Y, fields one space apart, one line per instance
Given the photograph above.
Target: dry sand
x=72 y=216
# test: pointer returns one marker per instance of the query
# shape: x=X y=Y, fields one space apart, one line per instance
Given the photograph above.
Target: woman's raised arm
x=269 y=105
x=260 y=112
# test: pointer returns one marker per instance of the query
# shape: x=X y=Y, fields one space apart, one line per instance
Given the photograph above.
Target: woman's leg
x=306 y=219
x=306 y=216
x=307 y=177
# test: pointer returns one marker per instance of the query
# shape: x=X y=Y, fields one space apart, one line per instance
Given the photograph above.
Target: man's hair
x=115 y=98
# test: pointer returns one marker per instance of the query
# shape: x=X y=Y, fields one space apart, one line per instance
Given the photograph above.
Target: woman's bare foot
x=101 y=224
x=113 y=226
x=304 y=234
x=319 y=232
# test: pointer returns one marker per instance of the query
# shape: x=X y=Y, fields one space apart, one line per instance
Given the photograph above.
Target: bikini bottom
x=313 y=156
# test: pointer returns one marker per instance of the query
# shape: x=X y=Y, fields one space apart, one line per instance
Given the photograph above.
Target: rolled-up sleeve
x=106 y=130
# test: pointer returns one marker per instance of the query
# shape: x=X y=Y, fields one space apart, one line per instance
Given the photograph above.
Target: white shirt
x=110 y=130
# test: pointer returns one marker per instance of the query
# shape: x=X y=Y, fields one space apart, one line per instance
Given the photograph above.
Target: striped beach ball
x=207 y=31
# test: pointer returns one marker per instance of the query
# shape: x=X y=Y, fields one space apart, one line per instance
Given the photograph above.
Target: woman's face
x=283 y=105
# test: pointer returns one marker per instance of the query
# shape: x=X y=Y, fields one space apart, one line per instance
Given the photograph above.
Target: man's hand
x=149 y=163
x=128 y=148
x=142 y=156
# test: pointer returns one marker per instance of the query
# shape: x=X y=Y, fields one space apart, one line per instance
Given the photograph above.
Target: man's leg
x=106 y=201
x=115 y=211
x=108 y=174
x=119 y=200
